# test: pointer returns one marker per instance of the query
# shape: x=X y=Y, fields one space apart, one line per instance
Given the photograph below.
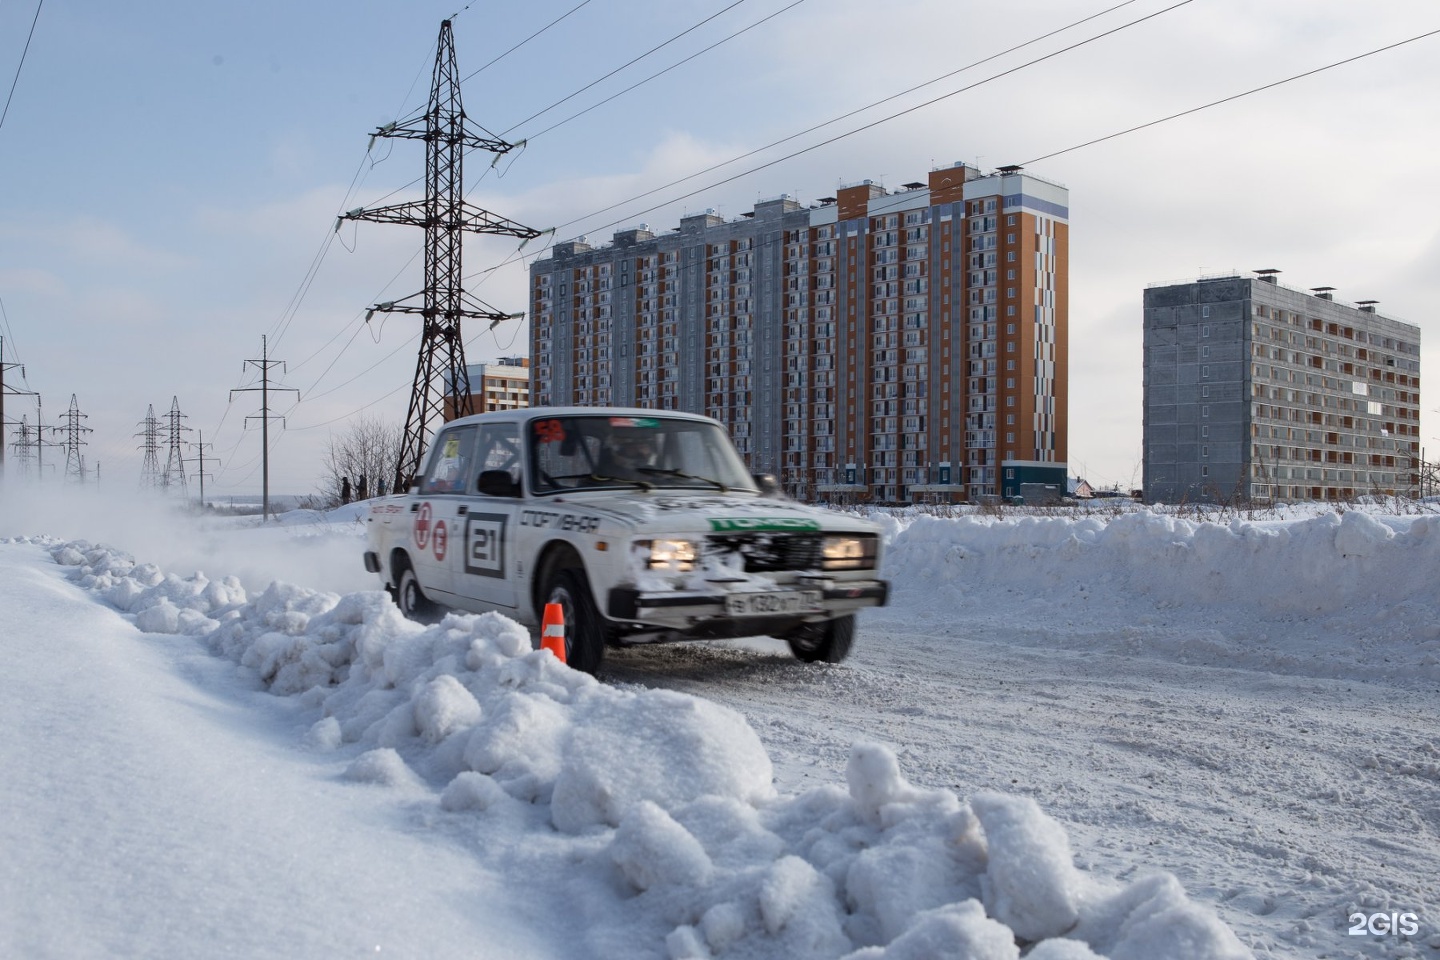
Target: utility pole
x=200 y=446
x=175 y=461
x=265 y=363
x=446 y=216
x=150 y=431
x=70 y=423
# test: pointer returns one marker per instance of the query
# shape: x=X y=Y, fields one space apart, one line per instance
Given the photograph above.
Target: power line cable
x=1236 y=96
x=818 y=126
x=692 y=56
x=9 y=334
x=847 y=115
x=21 y=64
x=612 y=73
x=876 y=123
x=525 y=41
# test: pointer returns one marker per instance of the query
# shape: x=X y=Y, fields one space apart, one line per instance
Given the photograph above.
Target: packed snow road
x=1249 y=705
x=1287 y=803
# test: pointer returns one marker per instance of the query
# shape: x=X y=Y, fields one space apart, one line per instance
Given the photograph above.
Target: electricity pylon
x=265 y=363
x=446 y=216
x=8 y=391
x=150 y=475
x=175 y=461
x=70 y=425
x=27 y=442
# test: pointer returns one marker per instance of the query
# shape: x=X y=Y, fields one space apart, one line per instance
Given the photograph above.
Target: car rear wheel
x=827 y=642
x=584 y=630
x=411 y=599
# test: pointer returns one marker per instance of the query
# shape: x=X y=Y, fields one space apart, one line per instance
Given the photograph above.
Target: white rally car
x=643 y=525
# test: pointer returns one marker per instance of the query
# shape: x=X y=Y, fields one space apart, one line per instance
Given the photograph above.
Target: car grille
x=772 y=552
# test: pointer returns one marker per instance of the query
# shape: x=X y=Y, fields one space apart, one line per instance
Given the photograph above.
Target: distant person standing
x=362 y=494
x=344 y=490
x=380 y=487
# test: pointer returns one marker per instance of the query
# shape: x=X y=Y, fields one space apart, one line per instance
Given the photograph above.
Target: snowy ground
x=1097 y=734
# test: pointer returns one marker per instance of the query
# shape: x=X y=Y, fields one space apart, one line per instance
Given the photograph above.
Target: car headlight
x=849 y=553
x=671 y=556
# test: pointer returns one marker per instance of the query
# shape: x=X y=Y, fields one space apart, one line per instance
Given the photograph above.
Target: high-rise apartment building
x=1258 y=392
x=877 y=345
x=502 y=385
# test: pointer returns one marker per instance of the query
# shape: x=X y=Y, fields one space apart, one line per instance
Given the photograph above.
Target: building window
x=1205 y=370
x=1205 y=411
x=1205 y=311
x=1205 y=329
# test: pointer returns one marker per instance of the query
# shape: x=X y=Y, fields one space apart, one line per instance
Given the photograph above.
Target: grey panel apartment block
x=1254 y=391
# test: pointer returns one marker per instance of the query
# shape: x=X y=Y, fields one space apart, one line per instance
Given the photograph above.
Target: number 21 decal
x=485 y=544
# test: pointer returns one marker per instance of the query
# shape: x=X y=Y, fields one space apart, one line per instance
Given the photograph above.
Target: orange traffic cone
x=552 y=631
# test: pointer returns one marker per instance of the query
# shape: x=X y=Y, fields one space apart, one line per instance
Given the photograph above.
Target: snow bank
x=662 y=801
x=1339 y=595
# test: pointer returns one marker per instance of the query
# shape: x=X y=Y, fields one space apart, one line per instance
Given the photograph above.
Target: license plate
x=770 y=604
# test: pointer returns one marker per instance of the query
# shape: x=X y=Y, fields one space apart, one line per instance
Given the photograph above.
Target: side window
x=450 y=461
x=566 y=452
x=499 y=449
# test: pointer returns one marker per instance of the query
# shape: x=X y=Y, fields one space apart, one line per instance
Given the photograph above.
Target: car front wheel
x=827 y=642
x=584 y=631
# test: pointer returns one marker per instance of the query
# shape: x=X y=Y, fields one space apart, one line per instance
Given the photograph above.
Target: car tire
x=827 y=642
x=585 y=632
x=411 y=599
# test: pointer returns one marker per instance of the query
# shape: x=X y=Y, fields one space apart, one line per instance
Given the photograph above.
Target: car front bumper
x=711 y=614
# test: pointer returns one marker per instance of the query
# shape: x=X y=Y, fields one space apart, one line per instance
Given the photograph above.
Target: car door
x=484 y=564
x=438 y=512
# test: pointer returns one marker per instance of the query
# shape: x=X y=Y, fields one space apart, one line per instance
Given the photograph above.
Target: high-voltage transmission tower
x=150 y=475
x=446 y=216
x=70 y=426
x=175 y=460
x=264 y=364
x=8 y=391
x=27 y=444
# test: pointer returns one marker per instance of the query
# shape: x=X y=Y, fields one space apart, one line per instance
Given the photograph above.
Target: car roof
x=541 y=413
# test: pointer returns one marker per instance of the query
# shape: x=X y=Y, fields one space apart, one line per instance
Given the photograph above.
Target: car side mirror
x=769 y=486
x=498 y=483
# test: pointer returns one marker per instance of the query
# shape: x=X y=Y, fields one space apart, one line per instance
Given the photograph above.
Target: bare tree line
x=361 y=462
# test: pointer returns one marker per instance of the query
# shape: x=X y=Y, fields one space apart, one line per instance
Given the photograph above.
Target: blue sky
x=170 y=172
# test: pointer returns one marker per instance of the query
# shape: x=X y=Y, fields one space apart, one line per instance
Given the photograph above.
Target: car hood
x=682 y=512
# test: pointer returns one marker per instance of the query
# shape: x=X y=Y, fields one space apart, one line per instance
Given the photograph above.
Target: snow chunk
x=800 y=901
x=665 y=747
x=443 y=707
x=384 y=767
x=1062 y=950
x=1153 y=918
x=1030 y=883
x=472 y=791
x=324 y=735
x=651 y=849
x=161 y=616
x=960 y=931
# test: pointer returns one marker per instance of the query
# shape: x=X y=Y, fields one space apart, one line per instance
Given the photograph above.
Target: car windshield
x=639 y=452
